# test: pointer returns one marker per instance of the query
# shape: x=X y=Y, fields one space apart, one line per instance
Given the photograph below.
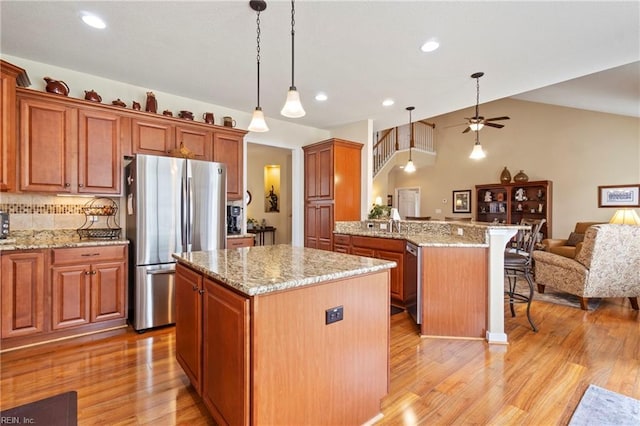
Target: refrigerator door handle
x=189 y=218
x=184 y=212
x=160 y=271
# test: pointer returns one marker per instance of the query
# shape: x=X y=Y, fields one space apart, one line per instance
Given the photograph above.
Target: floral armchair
x=607 y=266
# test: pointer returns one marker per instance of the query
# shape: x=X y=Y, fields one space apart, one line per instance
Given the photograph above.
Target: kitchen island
x=460 y=276
x=284 y=335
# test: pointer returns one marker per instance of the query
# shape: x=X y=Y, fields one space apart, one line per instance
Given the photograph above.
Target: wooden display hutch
x=512 y=202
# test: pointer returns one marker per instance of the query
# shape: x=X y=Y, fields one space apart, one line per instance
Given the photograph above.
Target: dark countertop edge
x=48 y=244
x=286 y=285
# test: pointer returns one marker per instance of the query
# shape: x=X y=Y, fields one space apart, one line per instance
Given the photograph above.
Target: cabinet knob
x=195 y=288
x=94 y=272
x=87 y=272
x=201 y=291
x=80 y=185
x=66 y=185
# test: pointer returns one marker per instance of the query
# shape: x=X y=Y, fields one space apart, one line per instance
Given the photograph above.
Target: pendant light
x=477 y=153
x=410 y=167
x=292 y=107
x=257 y=120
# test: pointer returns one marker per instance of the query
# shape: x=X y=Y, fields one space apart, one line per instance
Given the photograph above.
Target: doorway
x=408 y=201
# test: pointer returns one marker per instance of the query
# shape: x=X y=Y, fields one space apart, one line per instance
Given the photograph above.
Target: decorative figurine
x=152 y=104
x=487 y=197
x=136 y=105
x=58 y=87
x=520 y=195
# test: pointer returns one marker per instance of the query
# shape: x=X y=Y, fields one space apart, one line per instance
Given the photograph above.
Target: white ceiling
x=358 y=52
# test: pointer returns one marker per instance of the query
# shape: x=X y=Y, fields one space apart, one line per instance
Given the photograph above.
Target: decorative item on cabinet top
x=152 y=103
x=58 y=87
x=505 y=176
x=521 y=177
x=101 y=220
x=119 y=103
x=92 y=95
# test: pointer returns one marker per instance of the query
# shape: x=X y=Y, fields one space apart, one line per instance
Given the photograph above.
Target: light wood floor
x=539 y=378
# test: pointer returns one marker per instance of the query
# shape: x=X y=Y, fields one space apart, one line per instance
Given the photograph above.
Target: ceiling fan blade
x=497 y=126
x=497 y=118
x=466 y=130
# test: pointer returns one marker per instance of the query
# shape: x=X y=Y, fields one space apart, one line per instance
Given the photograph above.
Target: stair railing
x=397 y=138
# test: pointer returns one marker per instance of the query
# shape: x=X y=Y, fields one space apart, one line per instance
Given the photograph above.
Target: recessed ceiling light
x=93 y=21
x=321 y=97
x=430 y=45
x=388 y=102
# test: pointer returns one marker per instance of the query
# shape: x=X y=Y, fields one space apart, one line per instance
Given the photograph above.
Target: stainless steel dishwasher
x=413 y=281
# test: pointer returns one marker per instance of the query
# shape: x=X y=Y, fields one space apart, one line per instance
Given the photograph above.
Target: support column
x=498 y=239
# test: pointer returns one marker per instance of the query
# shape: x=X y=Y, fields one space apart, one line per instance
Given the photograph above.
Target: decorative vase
x=521 y=177
x=505 y=176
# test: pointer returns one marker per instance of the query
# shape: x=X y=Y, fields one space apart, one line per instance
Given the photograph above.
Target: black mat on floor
x=59 y=410
x=396 y=310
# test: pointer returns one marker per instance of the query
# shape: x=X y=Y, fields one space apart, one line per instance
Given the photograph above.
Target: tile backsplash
x=43 y=212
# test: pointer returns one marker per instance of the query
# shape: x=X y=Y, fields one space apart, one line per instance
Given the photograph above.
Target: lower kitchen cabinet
x=240 y=242
x=23 y=293
x=388 y=249
x=84 y=292
x=189 y=324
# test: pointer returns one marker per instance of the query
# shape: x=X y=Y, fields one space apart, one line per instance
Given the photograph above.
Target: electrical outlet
x=370 y=225
x=334 y=314
x=438 y=211
x=383 y=226
x=460 y=231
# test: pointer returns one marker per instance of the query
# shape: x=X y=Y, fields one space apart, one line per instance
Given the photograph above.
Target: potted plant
x=252 y=223
x=377 y=211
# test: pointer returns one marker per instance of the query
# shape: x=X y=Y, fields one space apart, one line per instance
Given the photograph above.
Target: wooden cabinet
x=225 y=352
x=88 y=285
x=342 y=243
x=67 y=148
x=189 y=292
x=197 y=140
x=510 y=203
x=23 y=293
x=332 y=188
x=155 y=136
x=228 y=149
x=240 y=242
x=10 y=76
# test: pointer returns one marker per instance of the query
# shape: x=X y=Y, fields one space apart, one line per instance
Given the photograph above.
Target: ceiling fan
x=477 y=122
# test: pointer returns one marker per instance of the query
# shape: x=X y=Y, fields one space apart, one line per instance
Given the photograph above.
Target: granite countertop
x=265 y=269
x=46 y=240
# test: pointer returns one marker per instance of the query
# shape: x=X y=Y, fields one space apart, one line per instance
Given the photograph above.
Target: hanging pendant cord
x=293 y=34
x=258 y=52
x=477 y=95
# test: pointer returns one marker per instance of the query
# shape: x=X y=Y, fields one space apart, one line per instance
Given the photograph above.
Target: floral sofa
x=608 y=265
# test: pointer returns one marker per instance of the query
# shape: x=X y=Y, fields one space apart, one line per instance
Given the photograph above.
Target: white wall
x=576 y=149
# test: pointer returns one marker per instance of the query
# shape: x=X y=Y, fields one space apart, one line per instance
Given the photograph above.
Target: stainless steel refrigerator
x=173 y=205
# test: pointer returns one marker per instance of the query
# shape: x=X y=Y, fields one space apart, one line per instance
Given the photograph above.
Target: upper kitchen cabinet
x=228 y=149
x=150 y=135
x=332 y=188
x=10 y=77
x=67 y=146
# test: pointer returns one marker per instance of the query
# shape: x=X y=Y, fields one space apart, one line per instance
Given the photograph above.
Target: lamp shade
x=293 y=107
x=476 y=126
x=625 y=217
x=477 y=152
x=258 y=124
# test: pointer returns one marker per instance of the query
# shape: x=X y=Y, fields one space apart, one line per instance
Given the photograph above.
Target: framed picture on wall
x=461 y=201
x=619 y=196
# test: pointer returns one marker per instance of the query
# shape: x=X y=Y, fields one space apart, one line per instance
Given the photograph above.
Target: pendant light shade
x=258 y=124
x=293 y=107
x=477 y=153
x=410 y=167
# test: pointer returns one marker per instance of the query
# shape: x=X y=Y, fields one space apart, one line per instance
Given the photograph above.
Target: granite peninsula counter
x=260 y=330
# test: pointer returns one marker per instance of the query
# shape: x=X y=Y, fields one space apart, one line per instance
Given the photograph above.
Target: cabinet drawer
x=389 y=244
x=87 y=254
x=342 y=239
x=239 y=242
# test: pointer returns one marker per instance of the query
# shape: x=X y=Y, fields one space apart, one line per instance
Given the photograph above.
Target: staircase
x=397 y=139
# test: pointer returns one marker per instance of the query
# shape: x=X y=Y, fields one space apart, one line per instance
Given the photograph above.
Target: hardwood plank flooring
x=126 y=378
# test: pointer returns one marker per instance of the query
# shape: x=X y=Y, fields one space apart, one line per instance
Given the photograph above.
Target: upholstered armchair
x=608 y=265
x=570 y=246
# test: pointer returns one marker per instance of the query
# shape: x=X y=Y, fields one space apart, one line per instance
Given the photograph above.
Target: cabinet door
x=362 y=251
x=70 y=297
x=228 y=149
x=47 y=146
x=225 y=373
x=23 y=283
x=189 y=324
x=8 y=126
x=99 y=158
x=108 y=284
x=397 y=274
x=324 y=217
x=319 y=173
x=152 y=136
x=196 y=140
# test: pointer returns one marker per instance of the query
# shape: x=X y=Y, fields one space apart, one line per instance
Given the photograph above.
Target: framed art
x=619 y=196
x=461 y=201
